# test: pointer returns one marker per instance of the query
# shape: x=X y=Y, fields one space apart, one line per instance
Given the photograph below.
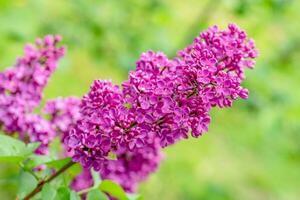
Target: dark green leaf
x=96 y=195
x=113 y=189
x=63 y=193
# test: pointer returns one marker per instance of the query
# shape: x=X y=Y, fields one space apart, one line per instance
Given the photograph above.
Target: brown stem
x=41 y=184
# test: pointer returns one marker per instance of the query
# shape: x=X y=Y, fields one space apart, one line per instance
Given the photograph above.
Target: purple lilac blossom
x=169 y=98
x=21 y=90
x=163 y=99
x=96 y=133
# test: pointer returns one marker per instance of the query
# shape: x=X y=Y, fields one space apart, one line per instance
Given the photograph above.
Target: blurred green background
x=252 y=151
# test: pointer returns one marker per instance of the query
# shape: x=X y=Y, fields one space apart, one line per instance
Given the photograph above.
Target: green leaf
x=96 y=195
x=30 y=148
x=27 y=183
x=57 y=164
x=113 y=189
x=11 y=159
x=36 y=160
x=11 y=149
x=63 y=193
x=48 y=192
x=96 y=178
x=55 y=147
x=74 y=196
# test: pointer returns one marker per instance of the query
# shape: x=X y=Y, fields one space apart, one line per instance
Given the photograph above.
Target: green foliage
x=27 y=182
x=63 y=193
x=36 y=160
x=48 y=192
x=99 y=188
x=113 y=189
x=13 y=150
x=57 y=164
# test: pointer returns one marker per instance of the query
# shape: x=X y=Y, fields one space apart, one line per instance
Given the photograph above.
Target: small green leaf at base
x=113 y=189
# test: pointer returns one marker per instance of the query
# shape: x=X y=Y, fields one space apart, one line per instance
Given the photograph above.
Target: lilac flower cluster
x=161 y=102
x=21 y=89
x=91 y=139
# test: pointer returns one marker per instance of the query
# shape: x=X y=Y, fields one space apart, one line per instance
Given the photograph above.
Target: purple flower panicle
x=21 y=90
x=162 y=101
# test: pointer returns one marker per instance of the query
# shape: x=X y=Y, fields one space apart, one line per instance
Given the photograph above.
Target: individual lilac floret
x=95 y=135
